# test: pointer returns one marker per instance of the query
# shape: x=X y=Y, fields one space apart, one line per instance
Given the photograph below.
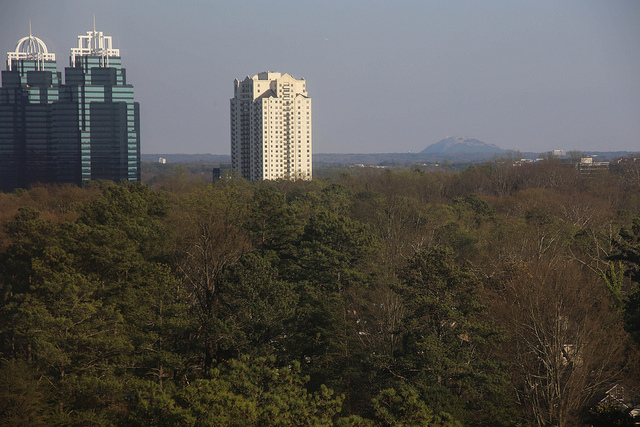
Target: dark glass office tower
x=30 y=87
x=108 y=119
x=87 y=128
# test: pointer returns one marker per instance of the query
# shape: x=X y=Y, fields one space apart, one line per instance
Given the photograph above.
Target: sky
x=384 y=76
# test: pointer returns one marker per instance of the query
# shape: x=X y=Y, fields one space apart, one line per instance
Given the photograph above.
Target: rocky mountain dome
x=453 y=144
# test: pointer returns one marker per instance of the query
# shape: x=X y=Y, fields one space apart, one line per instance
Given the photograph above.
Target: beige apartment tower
x=271 y=128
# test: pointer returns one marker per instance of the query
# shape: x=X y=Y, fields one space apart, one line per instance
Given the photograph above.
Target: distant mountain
x=459 y=144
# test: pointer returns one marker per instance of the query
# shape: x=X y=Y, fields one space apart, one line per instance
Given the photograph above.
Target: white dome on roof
x=31 y=46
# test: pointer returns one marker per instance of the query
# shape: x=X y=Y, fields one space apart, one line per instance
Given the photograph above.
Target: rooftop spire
x=95 y=43
x=30 y=48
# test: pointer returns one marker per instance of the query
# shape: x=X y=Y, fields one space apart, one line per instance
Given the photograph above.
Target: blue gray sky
x=384 y=76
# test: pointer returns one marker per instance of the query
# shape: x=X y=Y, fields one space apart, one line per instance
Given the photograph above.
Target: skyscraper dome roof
x=31 y=47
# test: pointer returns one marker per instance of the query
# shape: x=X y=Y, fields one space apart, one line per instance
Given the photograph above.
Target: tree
x=210 y=238
x=627 y=251
x=331 y=251
x=134 y=209
x=445 y=337
x=627 y=246
x=565 y=343
x=23 y=398
x=328 y=264
x=86 y=305
x=272 y=222
x=256 y=309
x=243 y=392
x=405 y=408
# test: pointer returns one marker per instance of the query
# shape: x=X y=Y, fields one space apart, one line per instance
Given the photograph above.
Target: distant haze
x=384 y=76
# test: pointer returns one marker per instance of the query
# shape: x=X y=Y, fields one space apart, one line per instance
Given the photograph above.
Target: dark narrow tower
x=30 y=86
x=108 y=119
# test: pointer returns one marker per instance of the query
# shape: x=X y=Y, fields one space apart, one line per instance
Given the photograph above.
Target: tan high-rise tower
x=271 y=128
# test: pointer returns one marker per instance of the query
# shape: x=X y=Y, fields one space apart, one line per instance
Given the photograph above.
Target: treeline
x=496 y=296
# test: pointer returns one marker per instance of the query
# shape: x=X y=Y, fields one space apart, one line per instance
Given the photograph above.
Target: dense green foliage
x=495 y=296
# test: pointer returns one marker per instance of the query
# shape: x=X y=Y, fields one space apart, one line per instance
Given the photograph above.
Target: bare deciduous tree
x=565 y=343
x=209 y=239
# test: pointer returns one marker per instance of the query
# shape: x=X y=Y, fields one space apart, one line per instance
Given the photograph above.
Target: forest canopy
x=498 y=295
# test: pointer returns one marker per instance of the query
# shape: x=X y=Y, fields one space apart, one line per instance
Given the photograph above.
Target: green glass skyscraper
x=30 y=85
x=108 y=117
x=87 y=128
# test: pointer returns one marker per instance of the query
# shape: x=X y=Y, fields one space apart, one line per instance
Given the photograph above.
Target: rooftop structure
x=30 y=48
x=95 y=43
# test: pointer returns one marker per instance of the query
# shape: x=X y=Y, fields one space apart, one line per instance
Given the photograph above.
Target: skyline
x=86 y=128
x=385 y=77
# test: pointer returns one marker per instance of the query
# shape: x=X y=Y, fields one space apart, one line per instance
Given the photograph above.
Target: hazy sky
x=384 y=76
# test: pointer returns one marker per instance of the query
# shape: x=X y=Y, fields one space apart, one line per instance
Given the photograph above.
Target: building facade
x=108 y=119
x=87 y=128
x=271 y=134
x=30 y=86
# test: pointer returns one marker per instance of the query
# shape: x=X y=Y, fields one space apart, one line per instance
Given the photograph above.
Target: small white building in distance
x=271 y=128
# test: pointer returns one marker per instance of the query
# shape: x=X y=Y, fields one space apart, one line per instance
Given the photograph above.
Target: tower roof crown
x=30 y=48
x=95 y=43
